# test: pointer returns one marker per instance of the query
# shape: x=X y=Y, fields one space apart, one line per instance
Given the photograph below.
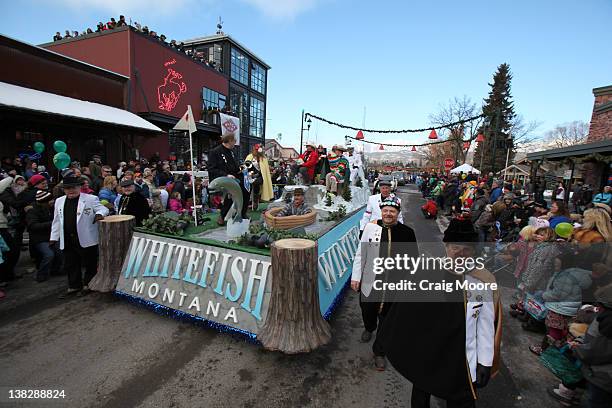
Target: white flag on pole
x=186 y=122
x=230 y=125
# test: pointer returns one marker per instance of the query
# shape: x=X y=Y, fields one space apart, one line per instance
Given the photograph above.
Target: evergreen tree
x=499 y=116
x=346 y=194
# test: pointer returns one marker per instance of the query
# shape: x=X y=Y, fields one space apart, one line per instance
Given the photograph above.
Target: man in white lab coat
x=372 y=212
x=74 y=228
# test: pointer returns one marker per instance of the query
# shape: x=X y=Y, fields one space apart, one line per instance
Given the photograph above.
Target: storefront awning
x=603 y=147
x=18 y=97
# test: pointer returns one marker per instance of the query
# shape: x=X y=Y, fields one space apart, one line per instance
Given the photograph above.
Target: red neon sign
x=171 y=89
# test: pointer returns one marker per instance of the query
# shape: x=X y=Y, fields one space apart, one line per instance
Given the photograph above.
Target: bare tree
x=567 y=134
x=455 y=110
x=522 y=133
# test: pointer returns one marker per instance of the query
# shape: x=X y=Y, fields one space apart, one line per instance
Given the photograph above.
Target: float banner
x=225 y=286
x=336 y=253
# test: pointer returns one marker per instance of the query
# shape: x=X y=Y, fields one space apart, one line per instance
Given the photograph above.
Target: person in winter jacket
x=175 y=204
x=39 y=219
x=108 y=192
x=595 y=354
x=604 y=197
x=496 y=192
x=430 y=209
x=436 y=193
x=307 y=163
x=563 y=299
x=7 y=198
x=133 y=203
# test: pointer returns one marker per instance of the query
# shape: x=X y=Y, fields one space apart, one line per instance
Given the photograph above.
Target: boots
x=564 y=395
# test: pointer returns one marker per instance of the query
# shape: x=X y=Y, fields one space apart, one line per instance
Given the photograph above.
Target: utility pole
x=302 y=134
x=495 y=139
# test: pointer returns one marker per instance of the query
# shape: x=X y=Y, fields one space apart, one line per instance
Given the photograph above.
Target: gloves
x=483 y=374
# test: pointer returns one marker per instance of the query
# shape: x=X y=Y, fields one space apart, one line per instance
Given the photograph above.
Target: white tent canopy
x=31 y=99
x=465 y=168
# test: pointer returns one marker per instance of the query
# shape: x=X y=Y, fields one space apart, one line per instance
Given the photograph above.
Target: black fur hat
x=460 y=230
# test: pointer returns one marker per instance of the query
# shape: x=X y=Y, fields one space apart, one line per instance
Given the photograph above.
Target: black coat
x=39 y=219
x=135 y=204
x=221 y=162
x=425 y=340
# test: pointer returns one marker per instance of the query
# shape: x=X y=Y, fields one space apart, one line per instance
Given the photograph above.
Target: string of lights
x=340 y=125
x=411 y=144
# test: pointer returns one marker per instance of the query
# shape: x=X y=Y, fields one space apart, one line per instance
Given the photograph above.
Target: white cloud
x=276 y=9
x=282 y=9
x=125 y=7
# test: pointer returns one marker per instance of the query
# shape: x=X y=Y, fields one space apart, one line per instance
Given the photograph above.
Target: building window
x=258 y=78
x=256 y=127
x=213 y=99
x=240 y=67
x=239 y=102
x=215 y=56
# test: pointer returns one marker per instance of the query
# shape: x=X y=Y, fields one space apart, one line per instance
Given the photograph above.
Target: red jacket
x=310 y=161
x=431 y=207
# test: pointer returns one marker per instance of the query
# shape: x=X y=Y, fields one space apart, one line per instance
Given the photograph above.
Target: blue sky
x=399 y=59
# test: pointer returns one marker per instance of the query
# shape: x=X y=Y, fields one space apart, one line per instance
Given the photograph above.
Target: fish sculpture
x=229 y=186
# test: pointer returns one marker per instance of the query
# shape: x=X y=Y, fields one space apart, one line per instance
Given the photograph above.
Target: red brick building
x=591 y=161
x=601 y=120
x=209 y=73
x=162 y=81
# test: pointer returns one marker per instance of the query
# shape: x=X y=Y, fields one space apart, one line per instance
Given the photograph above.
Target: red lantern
x=433 y=134
x=414 y=148
x=466 y=145
x=480 y=138
x=381 y=147
x=359 y=135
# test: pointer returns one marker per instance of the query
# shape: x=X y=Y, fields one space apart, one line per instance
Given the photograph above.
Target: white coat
x=373 y=212
x=369 y=248
x=87 y=208
x=479 y=328
x=355 y=163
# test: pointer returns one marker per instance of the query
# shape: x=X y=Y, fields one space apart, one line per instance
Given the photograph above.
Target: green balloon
x=564 y=229
x=61 y=160
x=39 y=147
x=59 y=146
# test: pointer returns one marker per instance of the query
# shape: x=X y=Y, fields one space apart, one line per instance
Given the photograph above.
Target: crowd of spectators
x=138 y=187
x=121 y=22
x=560 y=262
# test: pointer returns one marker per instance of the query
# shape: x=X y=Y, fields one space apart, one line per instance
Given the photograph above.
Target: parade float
x=274 y=280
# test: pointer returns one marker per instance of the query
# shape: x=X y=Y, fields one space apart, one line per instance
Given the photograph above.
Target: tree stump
x=115 y=236
x=294 y=323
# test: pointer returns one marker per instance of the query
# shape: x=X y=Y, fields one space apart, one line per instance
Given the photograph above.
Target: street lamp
x=508 y=139
x=308 y=122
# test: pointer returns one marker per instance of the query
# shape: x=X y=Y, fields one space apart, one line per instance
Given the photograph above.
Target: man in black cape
x=426 y=341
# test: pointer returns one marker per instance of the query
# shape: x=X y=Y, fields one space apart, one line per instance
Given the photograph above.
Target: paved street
x=105 y=352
